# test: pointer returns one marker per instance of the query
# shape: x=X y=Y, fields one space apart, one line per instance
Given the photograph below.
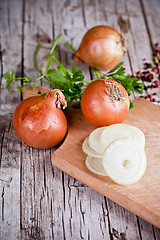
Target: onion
x=39 y=121
x=101 y=48
x=104 y=102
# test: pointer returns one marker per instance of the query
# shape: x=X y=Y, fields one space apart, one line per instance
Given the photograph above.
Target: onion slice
x=89 y=151
x=95 y=165
x=115 y=131
x=125 y=161
x=95 y=140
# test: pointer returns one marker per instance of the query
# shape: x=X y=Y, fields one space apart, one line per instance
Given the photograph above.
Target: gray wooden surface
x=37 y=200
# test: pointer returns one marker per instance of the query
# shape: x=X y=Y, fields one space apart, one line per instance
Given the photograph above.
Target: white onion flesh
x=95 y=140
x=125 y=161
x=95 y=165
x=115 y=131
x=88 y=150
x=117 y=151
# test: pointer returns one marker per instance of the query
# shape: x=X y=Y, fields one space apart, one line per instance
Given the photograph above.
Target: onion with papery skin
x=102 y=47
x=105 y=102
x=39 y=121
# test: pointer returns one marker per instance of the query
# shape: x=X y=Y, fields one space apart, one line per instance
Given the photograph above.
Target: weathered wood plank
x=9 y=180
x=151 y=12
x=10 y=48
x=10 y=51
x=87 y=217
x=37 y=175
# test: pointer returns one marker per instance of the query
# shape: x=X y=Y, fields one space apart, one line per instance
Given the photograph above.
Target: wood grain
x=142 y=198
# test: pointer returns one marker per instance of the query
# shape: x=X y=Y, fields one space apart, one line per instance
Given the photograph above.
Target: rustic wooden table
x=37 y=200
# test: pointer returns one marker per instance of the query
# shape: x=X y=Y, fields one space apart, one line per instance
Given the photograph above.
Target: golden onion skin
x=101 y=48
x=101 y=107
x=39 y=123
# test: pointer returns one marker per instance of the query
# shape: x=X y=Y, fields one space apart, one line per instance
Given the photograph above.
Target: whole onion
x=39 y=121
x=102 y=47
x=104 y=102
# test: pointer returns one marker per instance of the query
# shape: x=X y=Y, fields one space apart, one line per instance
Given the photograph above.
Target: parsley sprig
x=130 y=83
x=73 y=82
x=70 y=82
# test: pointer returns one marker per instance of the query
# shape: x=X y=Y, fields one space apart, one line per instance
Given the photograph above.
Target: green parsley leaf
x=118 y=74
x=9 y=77
x=56 y=78
x=20 y=88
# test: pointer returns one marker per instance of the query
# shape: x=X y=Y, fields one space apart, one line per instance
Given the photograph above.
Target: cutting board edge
x=151 y=217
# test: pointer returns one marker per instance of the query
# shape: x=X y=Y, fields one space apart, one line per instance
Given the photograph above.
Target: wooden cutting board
x=142 y=198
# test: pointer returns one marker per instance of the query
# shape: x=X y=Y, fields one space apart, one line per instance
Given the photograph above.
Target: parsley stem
x=35 y=60
x=59 y=64
x=88 y=82
x=51 y=54
x=37 y=79
x=98 y=74
x=55 y=42
x=70 y=47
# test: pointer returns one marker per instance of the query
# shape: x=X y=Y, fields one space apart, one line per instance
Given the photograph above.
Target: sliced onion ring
x=95 y=165
x=88 y=150
x=125 y=161
x=95 y=140
x=115 y=131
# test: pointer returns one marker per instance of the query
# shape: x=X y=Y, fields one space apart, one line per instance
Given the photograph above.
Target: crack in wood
x=63 y=187
x=120 y=236
x=83 y=14
x=22 y=43
x=82 y=212
x=63 y=227
x=108 y=217
x=8 y=18
x=2 y=196
x=44 y=174
x=1 y=152
x=146 y=24
x=52 y=221
x=139 y=228
x=1 y=64
x=21 y=174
